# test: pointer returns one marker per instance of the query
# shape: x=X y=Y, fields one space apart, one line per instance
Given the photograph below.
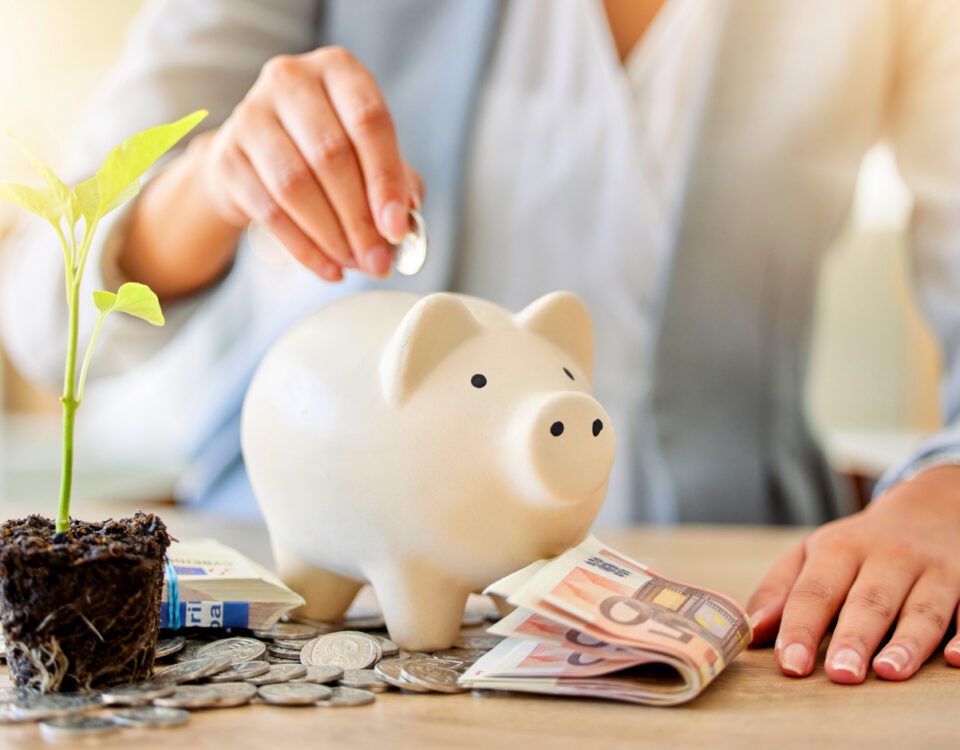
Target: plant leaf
x=39 y=201
x=88 y=197
x=133 y=299
x=126 y=163
x=59 y=191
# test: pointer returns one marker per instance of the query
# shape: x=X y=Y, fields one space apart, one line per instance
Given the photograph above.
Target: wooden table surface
x=751 y=705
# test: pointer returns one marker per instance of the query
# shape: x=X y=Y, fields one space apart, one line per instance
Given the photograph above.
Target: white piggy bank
x=429 y=445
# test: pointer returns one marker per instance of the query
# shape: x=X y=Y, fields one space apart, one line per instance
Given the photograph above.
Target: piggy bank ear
x=435 y=326
x=562 y=319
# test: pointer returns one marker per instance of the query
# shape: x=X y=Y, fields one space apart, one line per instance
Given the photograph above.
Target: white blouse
x=575 y=180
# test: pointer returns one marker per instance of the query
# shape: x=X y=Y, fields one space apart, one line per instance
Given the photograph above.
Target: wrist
x=178 y=243
x=199 y=163
x=935 y=485
x=943 y=458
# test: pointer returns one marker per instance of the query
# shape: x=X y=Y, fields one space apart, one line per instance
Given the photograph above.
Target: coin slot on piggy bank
x=428 y=445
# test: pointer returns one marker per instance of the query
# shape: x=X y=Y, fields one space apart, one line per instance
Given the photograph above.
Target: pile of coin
x=296 y=663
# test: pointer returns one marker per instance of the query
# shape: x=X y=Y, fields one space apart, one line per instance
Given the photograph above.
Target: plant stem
x=86 y=358
x=70 y=405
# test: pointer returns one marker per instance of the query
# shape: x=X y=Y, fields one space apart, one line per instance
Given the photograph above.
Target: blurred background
x=875 y=366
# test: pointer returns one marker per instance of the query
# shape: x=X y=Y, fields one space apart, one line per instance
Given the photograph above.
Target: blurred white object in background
x=874 y=363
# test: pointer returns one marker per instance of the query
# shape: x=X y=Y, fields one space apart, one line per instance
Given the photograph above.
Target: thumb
x=766 y=605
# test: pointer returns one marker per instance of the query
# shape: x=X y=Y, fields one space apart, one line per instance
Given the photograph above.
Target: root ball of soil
x=80 y=609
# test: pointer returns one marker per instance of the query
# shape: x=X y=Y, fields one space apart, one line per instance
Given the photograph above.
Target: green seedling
x=74 y=214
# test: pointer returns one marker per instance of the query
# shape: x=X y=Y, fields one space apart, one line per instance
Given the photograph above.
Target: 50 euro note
x=593 y=622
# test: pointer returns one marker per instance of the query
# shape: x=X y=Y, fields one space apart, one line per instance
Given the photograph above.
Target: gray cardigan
x=798 y=92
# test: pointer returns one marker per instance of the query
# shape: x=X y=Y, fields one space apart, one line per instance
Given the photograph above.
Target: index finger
x=366 y=119
x=766 y=604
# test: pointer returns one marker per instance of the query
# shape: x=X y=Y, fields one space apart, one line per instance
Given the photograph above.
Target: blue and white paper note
x=218 y=587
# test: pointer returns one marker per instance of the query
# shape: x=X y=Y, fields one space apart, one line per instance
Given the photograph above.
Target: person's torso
x=794 y=94
x=573 y=180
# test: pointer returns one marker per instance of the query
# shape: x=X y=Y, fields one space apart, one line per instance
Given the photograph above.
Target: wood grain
x=751 y=705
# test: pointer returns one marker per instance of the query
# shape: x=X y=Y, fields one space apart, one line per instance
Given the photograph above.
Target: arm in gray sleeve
x=179 y=56
x=926 y=136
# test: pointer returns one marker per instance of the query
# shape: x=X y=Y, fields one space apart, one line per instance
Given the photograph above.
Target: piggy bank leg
x=503 y=607
x=328 y=595
x=423 y=609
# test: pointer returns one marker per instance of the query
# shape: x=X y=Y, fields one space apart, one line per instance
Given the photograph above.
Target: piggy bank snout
x=567 y=449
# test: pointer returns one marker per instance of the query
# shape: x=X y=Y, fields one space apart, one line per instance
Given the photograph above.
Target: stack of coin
x=296 y=663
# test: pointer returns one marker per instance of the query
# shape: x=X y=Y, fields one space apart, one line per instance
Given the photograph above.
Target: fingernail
x=329 y=272
x=394 y=218
x=954 y=648
x=894 y=656
x=795 y=659
x=759 y=615
x=376 y=261
x=848 y=660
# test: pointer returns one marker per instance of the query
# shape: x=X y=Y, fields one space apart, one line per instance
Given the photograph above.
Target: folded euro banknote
x=594 y=623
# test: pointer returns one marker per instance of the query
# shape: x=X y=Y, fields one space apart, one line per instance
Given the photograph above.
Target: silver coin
x=137 y=693
x=169 y=646
x=286 y=659
x=190 y=696
x=288 y=631
x=7 y=715
x=189 y=650
x=279 y=673
x=412 y=250
x=478 y=642
x=348 y=649
x=188 y=671
x=417 y=655
x=285 y=651
x=234 y=693
x=344 y=697
x=473 y=618
x=294 y=693
x=10 y=694
x=430 y=674
x=321 y=627
x=236 y=649
x=438 y=662
x=372 y=621
x=288 y=644
x=321 y=675
x=388 y=647
x=38 y=706
x=366 y=679
x=75 y=727
x=150 y=716
x=289 y=656
x=242 y=671
x=465 y=656
x=389 y=670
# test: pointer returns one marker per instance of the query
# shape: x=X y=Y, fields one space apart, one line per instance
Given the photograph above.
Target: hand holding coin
x=410 y=253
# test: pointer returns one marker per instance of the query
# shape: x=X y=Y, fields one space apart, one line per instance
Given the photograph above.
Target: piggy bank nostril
x=597 y=426
x=556 y=429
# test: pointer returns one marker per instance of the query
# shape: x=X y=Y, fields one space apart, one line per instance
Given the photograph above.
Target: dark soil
x=81 y=609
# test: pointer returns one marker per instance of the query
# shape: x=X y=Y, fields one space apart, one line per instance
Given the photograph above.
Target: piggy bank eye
x=569 y=374
x=478 y=380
